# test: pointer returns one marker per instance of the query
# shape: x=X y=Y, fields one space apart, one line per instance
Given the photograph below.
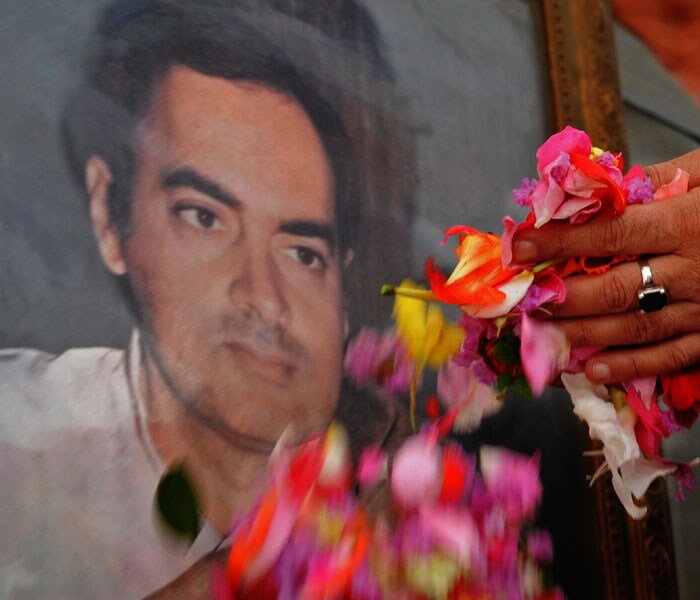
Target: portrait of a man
x=199 y=202
x=225 y=195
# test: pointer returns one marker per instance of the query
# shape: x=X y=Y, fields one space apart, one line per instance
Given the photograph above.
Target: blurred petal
x=544 y=352
x=428 y=337
x=373 y=466
x=278 y=533
x=453 y=529
x=460 y=389
x=416 y=472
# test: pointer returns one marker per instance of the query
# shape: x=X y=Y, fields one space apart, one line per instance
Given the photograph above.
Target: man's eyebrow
x=315 y=229
x=186 y=177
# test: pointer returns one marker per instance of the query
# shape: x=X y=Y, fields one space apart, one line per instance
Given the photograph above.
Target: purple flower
x=484 y=373
x=539 y=546
x=411 y=538
x=607 y=159
x=513 y=480
x=549 y=288
x=560 y=168
x=473 y=328
x=459 y=388
x=373 y=357
x=685 y=478
x=544 y=352
x=522 y=194
x=364 y=584
x=475 y=362
x=638 y=186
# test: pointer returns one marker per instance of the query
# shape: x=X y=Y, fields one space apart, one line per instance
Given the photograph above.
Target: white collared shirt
x=78 y=476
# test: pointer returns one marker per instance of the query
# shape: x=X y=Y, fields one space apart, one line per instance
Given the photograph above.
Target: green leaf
x=522 y=387
x=177 y=504
x=505 y=380
x=507 y=349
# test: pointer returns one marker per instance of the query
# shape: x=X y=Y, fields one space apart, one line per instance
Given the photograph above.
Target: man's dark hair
x=137 y=42
x=325 y=54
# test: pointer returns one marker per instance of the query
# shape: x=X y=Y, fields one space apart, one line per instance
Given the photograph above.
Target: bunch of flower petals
x=380 y=358
x=454 y=532
x=503 y=342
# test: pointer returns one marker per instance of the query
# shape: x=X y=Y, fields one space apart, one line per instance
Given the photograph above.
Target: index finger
x=655 y=228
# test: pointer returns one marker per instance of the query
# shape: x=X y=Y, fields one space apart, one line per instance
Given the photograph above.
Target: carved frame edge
x=637 y=559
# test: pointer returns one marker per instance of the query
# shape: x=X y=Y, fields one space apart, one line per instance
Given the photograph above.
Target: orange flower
x=479 y=270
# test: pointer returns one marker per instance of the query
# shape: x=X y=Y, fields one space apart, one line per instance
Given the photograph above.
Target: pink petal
x=678 y=185
x=544 y=352
x=553 y=288
x=578 y=184
x=579 y=356
x=509 y=229
x=546 y=200
x=416 y=472
x=459 y=388
x=586 y=213
x=646 y=386
x=373 y=466
x=568 y=140
x=512 y=478
x=572 y=207
x=454 y=530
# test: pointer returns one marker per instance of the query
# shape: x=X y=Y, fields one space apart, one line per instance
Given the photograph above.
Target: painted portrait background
x=444 y=143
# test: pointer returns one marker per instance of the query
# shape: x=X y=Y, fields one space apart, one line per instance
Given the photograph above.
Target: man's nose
x=258 y=288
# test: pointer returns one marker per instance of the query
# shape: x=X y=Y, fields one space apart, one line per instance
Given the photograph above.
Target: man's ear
x=98 y=178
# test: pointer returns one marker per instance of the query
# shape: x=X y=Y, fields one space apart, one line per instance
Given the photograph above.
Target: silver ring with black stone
x=652 y=297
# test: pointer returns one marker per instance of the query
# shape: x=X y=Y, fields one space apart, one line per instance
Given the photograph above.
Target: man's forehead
x=249 y=139
x=185 y=93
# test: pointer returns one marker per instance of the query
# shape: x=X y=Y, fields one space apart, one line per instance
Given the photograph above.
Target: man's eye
x=309 y=258
x=199 y=217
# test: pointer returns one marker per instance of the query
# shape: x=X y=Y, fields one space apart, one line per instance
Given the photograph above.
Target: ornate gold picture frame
x=636 y=557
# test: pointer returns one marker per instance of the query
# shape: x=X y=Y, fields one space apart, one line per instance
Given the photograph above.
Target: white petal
x=638 y=474
x=515 y=289
x=625 y=496
x=591 y=405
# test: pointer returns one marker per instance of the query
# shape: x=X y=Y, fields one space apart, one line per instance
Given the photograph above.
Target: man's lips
x=270 y=365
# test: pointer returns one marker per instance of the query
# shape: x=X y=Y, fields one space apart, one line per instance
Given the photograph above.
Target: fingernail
x=601 y=372
x=524 y=251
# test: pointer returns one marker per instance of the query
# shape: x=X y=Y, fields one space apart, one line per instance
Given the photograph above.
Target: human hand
x=603 y=310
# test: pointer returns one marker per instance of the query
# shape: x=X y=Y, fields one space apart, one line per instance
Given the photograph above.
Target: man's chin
x=234 y=435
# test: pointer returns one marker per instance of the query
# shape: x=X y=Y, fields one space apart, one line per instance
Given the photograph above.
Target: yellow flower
x=428 y=337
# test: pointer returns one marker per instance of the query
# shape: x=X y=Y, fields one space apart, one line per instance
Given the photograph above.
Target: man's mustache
x=251 y=330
